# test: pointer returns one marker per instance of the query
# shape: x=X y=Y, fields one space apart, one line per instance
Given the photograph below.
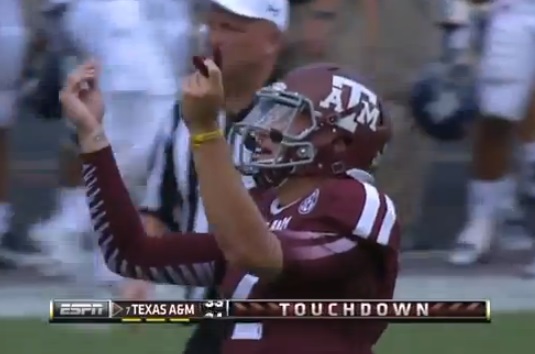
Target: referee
x=250 y=36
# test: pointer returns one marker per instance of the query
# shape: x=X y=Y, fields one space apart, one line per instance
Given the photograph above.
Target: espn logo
x=79 y=309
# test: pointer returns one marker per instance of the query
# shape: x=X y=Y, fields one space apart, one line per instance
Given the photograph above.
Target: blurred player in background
x=507 y=71
x=14 y=39
x=139 y=83
x=59 y=238
x=441 y=100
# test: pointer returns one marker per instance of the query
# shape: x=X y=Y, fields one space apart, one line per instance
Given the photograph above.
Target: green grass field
x=512 y=333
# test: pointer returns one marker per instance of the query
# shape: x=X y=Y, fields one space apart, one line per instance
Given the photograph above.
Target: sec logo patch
x=308 y=204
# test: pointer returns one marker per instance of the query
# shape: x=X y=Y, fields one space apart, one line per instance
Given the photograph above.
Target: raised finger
x=77 y=74
x=93 y=71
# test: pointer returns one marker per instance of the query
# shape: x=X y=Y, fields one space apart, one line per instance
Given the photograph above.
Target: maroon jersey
x=339 y=242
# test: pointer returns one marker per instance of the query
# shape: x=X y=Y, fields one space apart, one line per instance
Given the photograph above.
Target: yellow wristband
x=199 y=139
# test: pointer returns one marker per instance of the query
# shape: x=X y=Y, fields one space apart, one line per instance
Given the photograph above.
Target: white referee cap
x=275 y=11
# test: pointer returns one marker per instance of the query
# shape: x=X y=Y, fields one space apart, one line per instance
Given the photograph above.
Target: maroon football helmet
x=320 y=121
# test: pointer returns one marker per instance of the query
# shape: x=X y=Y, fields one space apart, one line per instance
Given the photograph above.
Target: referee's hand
x=202 y=97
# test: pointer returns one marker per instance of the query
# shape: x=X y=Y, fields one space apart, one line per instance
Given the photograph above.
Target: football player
x=311 y=141
x=505 y=87
x=138 y=81
x=55 y=236
x=13 y=44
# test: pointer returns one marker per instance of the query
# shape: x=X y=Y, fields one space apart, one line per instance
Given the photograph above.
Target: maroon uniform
x=340 y=242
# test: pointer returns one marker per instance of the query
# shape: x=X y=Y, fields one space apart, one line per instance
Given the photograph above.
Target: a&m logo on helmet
x=368 y=113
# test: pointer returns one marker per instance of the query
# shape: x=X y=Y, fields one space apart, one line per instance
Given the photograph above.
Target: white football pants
x=507 y=69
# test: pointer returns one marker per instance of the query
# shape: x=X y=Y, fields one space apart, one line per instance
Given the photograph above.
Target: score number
x=214 y=308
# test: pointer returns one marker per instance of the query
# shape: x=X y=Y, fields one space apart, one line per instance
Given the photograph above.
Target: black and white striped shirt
x=172 y=188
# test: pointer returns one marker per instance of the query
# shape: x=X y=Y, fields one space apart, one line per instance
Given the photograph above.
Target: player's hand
x=81 y=98
x=202 y=96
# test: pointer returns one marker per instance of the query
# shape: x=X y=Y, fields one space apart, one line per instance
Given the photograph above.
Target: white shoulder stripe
x=387 y=223
x=369 y=212
x=341 y=245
